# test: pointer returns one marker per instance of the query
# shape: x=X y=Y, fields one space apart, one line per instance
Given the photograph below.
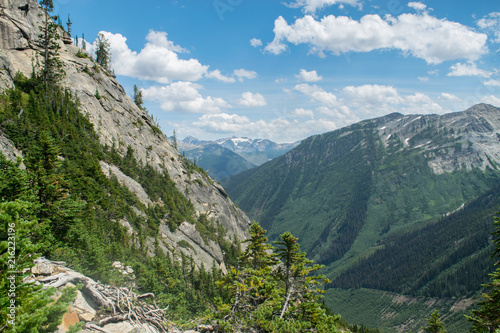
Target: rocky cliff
x=458 y=140
x=119 y=122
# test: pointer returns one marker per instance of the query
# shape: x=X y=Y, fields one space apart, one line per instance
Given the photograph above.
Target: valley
x=371 y=222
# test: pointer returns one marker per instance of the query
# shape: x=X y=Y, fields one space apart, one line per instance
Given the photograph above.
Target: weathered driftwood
x=95 y=327
x=118 y=304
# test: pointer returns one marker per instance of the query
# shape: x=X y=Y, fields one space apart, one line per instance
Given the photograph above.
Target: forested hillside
x=375 y=201
x=89 y=179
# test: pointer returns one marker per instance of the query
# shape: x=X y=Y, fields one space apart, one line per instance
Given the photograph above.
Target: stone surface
x=42 y=268
x=474 y=130
x=119 y=122
x=69 y=318
x=85 y=311
x=9 y=150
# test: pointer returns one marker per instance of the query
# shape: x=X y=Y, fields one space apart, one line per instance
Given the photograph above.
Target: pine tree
x=174 y=140
x=435 y=324
x=487 y=317
x=301 y=288
x=84 y=43
x=103 y=52
x=69 y=24
x=138 y=98
x=24 y=306
x=270 y=297
x=258 y=252
x=49 y=43
x=58 y=210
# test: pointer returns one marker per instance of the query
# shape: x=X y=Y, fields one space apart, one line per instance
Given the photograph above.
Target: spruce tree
x=103 y=52
x=69 y=24
x=435 y=324
x=84 y=43
x=138 y=98
x=49 y=44
x=487 y=317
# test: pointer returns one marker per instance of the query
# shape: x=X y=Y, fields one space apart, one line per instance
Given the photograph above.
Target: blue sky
x=285 y=70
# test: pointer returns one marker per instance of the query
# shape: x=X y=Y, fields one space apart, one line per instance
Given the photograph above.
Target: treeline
x=74 y=209
x=446 y=258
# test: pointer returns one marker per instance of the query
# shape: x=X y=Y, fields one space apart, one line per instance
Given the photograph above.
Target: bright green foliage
x=77 y=208
x=435 y=324
x=266 y=295
x=487 y=317
x=23 y=306
x=257 y=254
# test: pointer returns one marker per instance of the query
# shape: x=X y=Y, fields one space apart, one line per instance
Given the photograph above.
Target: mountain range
x=398 y=209
x=382 y=203
x=224 y=158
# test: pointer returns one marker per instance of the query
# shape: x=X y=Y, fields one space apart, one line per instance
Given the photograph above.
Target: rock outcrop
x=103 y=308
x=119 y=122
x=458 y=140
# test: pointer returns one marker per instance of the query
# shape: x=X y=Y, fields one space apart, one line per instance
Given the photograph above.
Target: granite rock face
x=464 y=140
x=119 y=122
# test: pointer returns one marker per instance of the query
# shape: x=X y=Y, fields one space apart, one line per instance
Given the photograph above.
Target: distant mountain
x=219 y=162
x=369 y=201
x=227 y=157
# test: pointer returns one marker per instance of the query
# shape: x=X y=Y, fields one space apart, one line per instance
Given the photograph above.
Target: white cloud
x=317 y=94
x=311 y=76
x=373 y=95
x=423 y=78
x=494 y=83
x=255 y=42
x=420 y=104
x=469 y=69
x=491 y=24
x=157 y=61
x=300 y=112
x=184 y=96
x=311 y=6
x=421 y=35
x=493 y=100
x=449 y=97
x=417 y=6
x=244 y=74
x=252 y=100
x=277 y=129
x=216 y=74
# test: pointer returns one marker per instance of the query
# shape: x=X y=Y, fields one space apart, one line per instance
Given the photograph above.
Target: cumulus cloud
x=184 y=96
x=366 y=101
x=493 y=83
x=277 y=129
x=469 y=69
x=242 y=74
x=373 y=94
x=255 y=42
x=449 y=97
x=158 y=61
x=491 y=99
x=417 y=6
x=311 y=76
x=252 y=100
x=491 y=24
x=300 y=112
x=420 y=35
x=311 y=6
x=317 y=94
x=216 y=74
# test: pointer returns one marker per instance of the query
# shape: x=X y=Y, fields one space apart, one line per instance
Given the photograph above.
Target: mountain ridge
x=345 y=192
x=120 y=124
